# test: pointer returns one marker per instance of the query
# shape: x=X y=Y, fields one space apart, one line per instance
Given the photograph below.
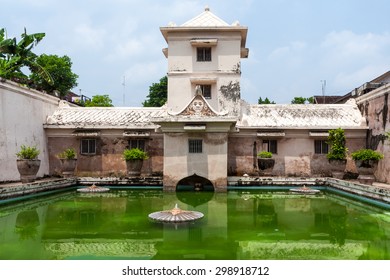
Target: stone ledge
x=370 y=191
x=124 y=181
x=20 y=189
x=376 y=192
x=274 y=181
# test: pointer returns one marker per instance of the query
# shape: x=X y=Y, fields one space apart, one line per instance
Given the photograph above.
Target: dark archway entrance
x=194 y=183
x=194 y=190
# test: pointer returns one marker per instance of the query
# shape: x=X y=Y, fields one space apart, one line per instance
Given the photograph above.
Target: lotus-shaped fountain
x=175 y=215
x=93 y=189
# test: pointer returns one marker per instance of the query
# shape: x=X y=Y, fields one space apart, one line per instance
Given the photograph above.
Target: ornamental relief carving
x=198 y=107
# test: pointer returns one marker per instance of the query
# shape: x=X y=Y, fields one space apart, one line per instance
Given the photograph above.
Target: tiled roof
x=205 y=19
x=302 y=116
x=103 y=117
x=308 y=116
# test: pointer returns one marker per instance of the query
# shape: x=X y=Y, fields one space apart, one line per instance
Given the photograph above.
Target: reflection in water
x=236 y=225
x=26 y=224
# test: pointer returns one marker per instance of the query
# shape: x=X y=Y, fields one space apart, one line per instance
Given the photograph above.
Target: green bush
x=27 y=152
x=135 y=153
x=366 y=154
x=264 y=154
x=67 y=154
x=336 y=142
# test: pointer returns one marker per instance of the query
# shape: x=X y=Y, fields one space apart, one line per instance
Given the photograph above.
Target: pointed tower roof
x=205 y=19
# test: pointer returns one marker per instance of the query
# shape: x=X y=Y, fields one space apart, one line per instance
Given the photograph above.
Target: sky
x=296 y=47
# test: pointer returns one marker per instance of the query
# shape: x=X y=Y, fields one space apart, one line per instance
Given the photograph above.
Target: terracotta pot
x=28 y=169
x=68 y=167
x=266 y=165
x=134 y=167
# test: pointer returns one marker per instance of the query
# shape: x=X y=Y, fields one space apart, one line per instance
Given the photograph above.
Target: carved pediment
x=198 y=107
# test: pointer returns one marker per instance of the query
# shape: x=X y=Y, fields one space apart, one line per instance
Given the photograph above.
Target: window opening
x=195 y=146
x=321 y=147
x=137 y=143
x=203 y=54
x=206 y=91
x=270 y=146
x=88 y=146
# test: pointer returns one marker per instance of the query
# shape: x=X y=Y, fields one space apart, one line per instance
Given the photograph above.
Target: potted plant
x=68 y=162
x=134 y=159
x=366 y=161
x=337 y=155
x=265 y=162
x=28 y=163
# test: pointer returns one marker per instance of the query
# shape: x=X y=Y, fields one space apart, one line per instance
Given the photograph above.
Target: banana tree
x=15 y=55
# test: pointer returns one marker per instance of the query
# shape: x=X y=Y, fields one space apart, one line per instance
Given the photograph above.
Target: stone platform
x=377 y=191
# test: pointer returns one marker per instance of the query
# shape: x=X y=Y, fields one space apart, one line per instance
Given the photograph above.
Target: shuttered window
x=137 y=143
x=270 y=146
x=88 y=146
x=203 y=54
x=321 y=147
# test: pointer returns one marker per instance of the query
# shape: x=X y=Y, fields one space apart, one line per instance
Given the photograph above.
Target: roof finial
x=206 y=8
x=198 y=90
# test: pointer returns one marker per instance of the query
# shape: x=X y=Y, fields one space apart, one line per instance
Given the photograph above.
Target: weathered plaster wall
x=108 y=160
x=23 y=112
x=241 y=155
x=375 y=107
x=210 y=164
x=295 y=155
x=222 y=72
x=229 y=93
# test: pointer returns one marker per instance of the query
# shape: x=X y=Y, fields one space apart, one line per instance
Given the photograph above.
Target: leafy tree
x=310 y=100
x=265 y=101
x=158 y=93
x=302 y=100
x=336 y=141
x=99 y=101
x=298 y=100
x=60 y=70
x=16 y=55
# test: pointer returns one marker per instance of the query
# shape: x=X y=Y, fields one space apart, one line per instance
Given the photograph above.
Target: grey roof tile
x=302 y=116
x=102 y=117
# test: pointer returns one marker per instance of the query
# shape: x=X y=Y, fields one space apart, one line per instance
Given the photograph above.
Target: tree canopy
x=99 y=101
x=60 y=69
x=302 y=100
x=47 y=72
x=158 y=94
x=265 y=101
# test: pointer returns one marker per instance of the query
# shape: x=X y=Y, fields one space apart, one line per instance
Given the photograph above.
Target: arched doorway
x=194 y=183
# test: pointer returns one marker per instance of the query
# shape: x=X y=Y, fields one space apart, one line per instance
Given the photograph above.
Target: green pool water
x=239 y=224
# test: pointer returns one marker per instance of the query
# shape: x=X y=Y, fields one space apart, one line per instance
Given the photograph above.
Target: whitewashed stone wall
x=23 y=112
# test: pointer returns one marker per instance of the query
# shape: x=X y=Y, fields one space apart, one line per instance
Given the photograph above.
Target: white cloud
x=349 y=47
x=352 y=58
x=146 y=72
x=357 y=77
x=132 y=47
x=291 y=49
x=89 y=37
